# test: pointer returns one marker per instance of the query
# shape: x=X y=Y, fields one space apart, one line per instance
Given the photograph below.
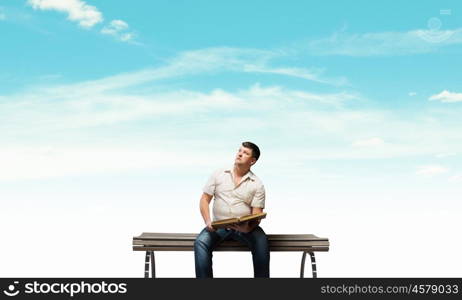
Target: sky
x=114 y=113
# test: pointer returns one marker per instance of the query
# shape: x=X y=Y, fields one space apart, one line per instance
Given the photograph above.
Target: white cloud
x=2 y=14
x=446 y=96
x=372 y=142
x=61 y=136
x=101 y=109
x=456 y=178
x=411 y=94
x=78 y=11
x=207 y=60
x=123 y=112
x=180 y=147
x=119 y=25
x=446 y=154
x=297 y=72
x=431 y=170
x=277 y=94
x=385 y=43
x=119 y=30
x=125 y=37
x=48 y=162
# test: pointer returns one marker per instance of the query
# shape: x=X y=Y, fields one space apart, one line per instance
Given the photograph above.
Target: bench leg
x=153 y=265
x=313 y=265
x=149 y=262
x=146 y=265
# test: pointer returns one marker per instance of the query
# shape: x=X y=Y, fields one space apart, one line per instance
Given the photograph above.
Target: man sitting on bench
x=238 y=192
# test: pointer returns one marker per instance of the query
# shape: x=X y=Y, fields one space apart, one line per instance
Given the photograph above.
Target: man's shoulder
x=256 y=179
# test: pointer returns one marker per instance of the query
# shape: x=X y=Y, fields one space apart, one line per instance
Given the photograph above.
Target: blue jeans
x=206 y=242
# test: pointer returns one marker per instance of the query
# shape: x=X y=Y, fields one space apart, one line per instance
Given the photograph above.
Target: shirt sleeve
x=259 y=198
x=210 y=185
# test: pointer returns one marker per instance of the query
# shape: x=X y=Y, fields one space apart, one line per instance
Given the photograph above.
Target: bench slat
x=162 y=234
x=230 y=243
x=151 y=234
x=221 y=248
x=192 y=236
x=152 y=241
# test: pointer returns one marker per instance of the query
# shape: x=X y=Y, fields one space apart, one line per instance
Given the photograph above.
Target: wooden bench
x=150 y=242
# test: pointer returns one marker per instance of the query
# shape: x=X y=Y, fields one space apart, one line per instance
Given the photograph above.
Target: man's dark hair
x=255 y=149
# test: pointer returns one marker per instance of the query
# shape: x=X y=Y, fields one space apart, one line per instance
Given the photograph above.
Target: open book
x=226 y=222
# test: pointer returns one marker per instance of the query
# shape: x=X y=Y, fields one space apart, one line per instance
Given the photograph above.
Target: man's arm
x=205 y=211
x=250 y=225
x=255 y=223
x=256 y=210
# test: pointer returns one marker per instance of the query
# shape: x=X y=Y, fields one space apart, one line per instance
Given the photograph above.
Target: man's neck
x=240 y=170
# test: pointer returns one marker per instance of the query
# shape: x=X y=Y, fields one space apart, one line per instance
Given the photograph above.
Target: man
x=238 y=192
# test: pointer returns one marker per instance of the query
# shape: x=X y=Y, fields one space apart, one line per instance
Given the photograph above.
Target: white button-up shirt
x=232 y=201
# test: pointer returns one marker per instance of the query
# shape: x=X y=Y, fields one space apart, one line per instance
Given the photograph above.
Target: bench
x=150 y=242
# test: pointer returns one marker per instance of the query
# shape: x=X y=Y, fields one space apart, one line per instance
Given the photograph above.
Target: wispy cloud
x=47 y=136
x=313 y=75
x=84 y=120
x=222 y=59
x=184 y=64
x=87 y=16
x=431 y=170
x=447 y=97
x=118 y=29
x=2 y=14
x=196 y=115
x=371 y=142
x=385 y=43
x=77 y=10
x=58 y=161
x=456 y=178
x=104 y=109
x=445 y=154
x=103 y=104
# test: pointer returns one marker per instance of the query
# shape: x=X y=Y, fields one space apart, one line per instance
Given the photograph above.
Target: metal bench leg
x=153 y=265
x=149 y=262
x=313 y=265
x=146 y=265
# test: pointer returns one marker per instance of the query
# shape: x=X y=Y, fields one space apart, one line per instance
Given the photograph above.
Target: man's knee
x=203 y=241
x=259 y=241
x=260 y=236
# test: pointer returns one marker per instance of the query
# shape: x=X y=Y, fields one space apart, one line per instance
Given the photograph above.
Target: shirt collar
x=249 y=174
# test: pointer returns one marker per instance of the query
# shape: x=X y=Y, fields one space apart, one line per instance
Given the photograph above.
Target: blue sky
x=334 y=62
x=349 y=101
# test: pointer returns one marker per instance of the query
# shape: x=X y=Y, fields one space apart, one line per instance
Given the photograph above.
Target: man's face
x=244 y=157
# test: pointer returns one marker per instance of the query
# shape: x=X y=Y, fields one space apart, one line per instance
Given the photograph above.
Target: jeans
x=206 y=242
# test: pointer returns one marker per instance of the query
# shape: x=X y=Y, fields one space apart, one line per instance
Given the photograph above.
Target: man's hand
x=209 y=226
x=245 y=227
